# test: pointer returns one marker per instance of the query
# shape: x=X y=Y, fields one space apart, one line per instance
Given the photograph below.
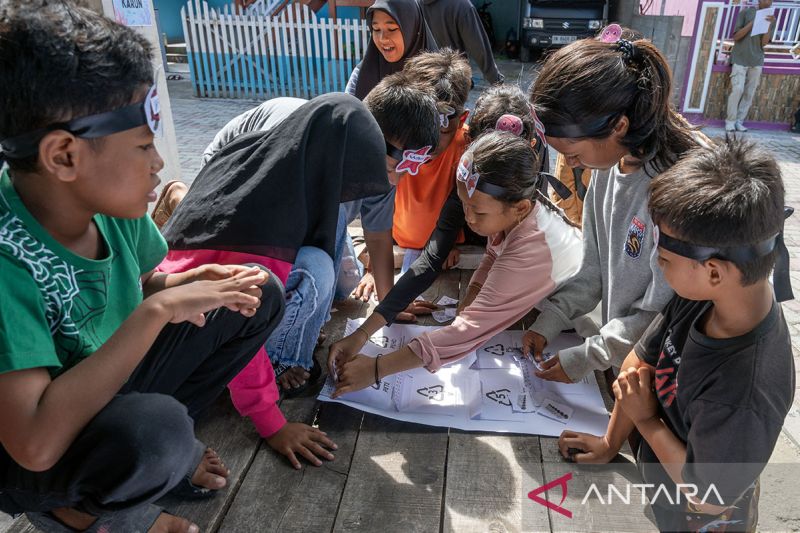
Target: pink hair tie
x=510 y=123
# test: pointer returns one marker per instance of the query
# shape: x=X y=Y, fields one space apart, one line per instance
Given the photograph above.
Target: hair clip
x=445 y=114
x=627 y=48
x=611 y=33
x=413 y=159
x=510 y=123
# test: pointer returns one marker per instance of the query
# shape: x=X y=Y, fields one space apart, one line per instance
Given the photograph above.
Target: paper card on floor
x=589 y=414
x=554 y=410
x=378 y=395
x=499 y=351
x=444 y=315
x=421 y=391
x=500 y=388
x=385 y=340
x=446 y=300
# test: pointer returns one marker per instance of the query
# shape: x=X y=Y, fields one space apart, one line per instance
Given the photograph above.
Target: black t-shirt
x=725 y=398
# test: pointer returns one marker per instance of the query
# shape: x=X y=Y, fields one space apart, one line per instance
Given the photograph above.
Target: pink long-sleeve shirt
x=254 y=392
x=517 y=271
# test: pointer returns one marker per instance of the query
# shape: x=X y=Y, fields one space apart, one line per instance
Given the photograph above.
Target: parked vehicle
x=554 y=23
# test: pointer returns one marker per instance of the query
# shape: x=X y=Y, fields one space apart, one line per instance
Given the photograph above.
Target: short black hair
x=405 y=111
x=447 y=71
x=60 y=61
x=727 y=194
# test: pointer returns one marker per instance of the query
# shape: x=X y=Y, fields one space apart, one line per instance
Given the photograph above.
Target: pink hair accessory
x=611 y=33
x=510 y=123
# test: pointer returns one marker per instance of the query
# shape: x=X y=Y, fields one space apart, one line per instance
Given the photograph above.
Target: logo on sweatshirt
x=633 y=244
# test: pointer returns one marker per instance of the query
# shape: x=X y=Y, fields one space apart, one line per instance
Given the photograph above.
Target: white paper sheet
x=760 y=23
x=503 y=397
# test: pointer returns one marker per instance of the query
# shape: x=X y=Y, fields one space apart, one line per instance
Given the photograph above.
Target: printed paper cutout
x=466 y=175
x=413 y=159
x=152 y=110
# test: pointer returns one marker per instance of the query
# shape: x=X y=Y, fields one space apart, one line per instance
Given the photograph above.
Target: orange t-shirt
x=420 y=198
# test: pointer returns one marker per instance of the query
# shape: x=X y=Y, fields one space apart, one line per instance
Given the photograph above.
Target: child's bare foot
x=211 y=473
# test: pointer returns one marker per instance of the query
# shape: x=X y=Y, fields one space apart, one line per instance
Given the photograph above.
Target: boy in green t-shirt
x=98 y=386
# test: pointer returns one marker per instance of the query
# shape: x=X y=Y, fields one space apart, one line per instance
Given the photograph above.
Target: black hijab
x=417 y=37
x=269 y=193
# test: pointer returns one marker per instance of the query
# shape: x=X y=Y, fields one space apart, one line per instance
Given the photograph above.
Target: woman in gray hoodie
x=605 y=105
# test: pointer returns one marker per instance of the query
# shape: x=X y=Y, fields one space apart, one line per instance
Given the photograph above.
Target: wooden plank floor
x=388 y=475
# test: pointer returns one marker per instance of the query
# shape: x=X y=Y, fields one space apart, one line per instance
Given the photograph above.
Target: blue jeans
x=310 y=289
x=309 y=294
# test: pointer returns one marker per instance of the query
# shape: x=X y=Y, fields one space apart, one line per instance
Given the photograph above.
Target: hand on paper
x=344 y=350
x=533 y=345
x=634 y=392
x=356 y=373
x=553 y=371
x=584 y=448
x=296 y=438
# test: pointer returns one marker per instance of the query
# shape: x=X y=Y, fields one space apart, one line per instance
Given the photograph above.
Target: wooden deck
x=388 y=475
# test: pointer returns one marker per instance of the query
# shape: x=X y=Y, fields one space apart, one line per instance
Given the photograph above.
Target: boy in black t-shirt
x=711 y=380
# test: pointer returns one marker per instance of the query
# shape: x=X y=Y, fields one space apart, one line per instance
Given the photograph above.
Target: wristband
x=377 y=379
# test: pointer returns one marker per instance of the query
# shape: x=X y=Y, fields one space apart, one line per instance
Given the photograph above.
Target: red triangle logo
x=560 y=482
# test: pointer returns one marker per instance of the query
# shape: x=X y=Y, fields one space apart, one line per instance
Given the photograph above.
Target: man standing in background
x=747 y=59
x=455 y=24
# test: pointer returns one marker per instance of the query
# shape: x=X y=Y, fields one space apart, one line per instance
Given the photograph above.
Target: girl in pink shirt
x=531 y=249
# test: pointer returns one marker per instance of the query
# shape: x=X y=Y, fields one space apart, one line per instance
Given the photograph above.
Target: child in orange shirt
x=420 y=197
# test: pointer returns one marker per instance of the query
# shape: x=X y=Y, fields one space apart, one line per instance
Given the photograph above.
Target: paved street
x=198 y=120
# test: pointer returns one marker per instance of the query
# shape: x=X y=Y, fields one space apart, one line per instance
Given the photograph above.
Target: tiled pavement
x=198 y=120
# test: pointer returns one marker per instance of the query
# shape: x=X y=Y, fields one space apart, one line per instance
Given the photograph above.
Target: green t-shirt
x=58 y=307
x=748 y=52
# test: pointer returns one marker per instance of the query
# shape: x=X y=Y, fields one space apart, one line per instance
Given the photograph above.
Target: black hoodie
x=455 y=24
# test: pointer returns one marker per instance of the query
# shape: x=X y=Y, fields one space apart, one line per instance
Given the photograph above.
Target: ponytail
x=585 y=88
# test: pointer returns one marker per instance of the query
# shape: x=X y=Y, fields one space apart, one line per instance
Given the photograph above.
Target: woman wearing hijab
x=399 y=31
x=272 y=198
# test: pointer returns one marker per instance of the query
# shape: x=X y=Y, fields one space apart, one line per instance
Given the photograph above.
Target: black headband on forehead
x=740 y=255
x=125 y=118
x=580 y=130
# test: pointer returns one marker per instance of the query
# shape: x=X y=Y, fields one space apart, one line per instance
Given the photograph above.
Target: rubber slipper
x=162 y=211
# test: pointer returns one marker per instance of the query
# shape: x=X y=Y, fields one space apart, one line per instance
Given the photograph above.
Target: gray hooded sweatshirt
x=455 y=24
x=619 y=270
